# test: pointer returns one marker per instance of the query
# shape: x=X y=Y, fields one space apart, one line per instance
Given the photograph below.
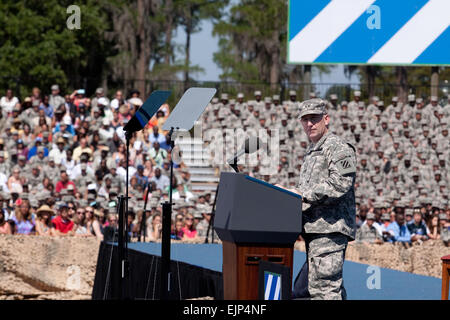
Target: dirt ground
x=44 y=268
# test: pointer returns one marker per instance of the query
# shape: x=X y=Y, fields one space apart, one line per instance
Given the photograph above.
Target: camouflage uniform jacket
x=326 y=183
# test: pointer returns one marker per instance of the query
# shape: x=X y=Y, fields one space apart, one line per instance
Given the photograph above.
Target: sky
x=203 y=46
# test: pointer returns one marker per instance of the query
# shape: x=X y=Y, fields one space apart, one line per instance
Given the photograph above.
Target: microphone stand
x=122 y=211
x=211 y=221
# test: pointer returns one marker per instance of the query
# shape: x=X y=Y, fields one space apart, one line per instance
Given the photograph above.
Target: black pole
x=122 y=257
x=211 y=221
x=165 y=241
x=143 y=229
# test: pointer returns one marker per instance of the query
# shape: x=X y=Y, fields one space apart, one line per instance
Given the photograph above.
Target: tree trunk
x=275 y=70
x=168 y=32
x=143 y=48
x=187 y=49
x=307 y=81
x=434 y=81
x=402 y=83
x=370 y=80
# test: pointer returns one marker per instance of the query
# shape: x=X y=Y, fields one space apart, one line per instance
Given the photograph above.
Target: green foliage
x=38 y=48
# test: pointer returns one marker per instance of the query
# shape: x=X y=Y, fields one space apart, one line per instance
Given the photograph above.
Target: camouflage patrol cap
x=370 y=216
x=312 y=106
x=443 y=216
x=385 y=216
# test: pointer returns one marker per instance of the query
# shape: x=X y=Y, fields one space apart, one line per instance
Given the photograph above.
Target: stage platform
x=394 y=285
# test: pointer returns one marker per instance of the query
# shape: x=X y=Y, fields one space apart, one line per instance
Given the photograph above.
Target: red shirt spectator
x=64 y=183
x=62 y=223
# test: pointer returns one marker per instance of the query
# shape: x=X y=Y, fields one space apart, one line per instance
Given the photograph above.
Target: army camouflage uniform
x=326 y=183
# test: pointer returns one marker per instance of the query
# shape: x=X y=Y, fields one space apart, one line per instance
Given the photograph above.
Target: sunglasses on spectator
x=80 y=212
x=90 y=211
x=189 y=219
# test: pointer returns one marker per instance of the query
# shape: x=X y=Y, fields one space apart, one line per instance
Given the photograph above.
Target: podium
x=255 y=221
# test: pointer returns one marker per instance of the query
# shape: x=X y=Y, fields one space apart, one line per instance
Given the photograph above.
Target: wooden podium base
x=241 y=267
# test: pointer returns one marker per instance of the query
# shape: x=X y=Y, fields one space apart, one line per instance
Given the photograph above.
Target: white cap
x=103 y=101
x=136 y=101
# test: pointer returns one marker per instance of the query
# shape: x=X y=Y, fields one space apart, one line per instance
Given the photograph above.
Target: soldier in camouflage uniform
x=368 y=232
x=326 y=184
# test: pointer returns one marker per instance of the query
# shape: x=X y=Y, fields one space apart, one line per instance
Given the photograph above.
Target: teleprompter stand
x=183 y=117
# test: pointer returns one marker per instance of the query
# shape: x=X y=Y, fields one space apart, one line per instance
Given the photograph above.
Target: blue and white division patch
x=400 y=32
x=272 y=286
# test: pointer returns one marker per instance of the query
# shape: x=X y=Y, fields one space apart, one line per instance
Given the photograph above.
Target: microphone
x=251 y=144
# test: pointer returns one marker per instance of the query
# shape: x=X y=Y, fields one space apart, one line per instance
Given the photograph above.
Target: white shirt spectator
x=69 y=165
x=8 y=104
x=4 y=182
x=162 y=182
x=122 y=172
x=76 y=171
x=106 y=134
x=160 y=138
x=57 y=155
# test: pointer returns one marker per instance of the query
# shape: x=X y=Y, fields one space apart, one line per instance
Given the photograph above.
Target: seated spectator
x=23 y=219
x=162 y=181
x=64 y=182
x=92 y=224
x=80 y=226
x=398 y=230
x=5 y=228
x=418 y=228
x=368 y=232
x=154 y=230
x=179 y=224
x=142 y=180
x=15 y=182
x=155 y=136
x=157 y=154
x=189 y=230
x=433 y=227
x=130 y=218
x=44 y=226
x=110 y=232
x=63 y=225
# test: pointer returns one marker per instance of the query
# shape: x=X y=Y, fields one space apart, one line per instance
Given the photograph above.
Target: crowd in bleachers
x=403 y=154
x=63 y=163
x=63 y=166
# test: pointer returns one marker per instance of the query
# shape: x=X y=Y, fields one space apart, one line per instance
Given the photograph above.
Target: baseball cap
x=136 y=101
x=55 y=87
x=371 y=216
x=81 y=91
x=312 y=106
x=102 y=101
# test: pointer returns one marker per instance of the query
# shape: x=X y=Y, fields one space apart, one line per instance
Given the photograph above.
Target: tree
x=252 y=46
x=191 y=13
x=37 y=48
